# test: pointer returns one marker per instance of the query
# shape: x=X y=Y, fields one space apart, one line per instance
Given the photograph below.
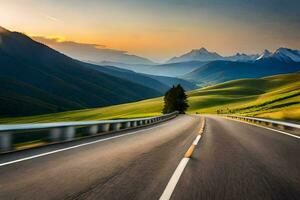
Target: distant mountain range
x=221 y=71
x=281 y=55
x=283 y=60
x=204 y=55
x=168 y=69
x=158 y=83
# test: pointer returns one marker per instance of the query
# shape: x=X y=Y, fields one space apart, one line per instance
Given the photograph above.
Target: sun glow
x=175 y=27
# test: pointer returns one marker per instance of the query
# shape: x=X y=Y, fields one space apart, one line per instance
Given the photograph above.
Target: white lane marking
x=197 y=140
x=76 y=146
x=174 y=180
x=285 y=133
x=166 y=195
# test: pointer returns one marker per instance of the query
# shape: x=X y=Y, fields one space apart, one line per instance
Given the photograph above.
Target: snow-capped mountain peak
x=290 y=53
x=266 y=54
x=201 y=54
x=281 y=54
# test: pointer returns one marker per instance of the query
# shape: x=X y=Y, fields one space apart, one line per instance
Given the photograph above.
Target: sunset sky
x=159 y=29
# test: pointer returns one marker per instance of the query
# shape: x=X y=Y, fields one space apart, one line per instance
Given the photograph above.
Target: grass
x=143 y=108
x=275 y=97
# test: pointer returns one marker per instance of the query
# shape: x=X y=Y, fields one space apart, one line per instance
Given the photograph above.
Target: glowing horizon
x=160 y=30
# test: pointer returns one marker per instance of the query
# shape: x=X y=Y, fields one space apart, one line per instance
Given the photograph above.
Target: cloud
x=90 y=52
x=54 y=19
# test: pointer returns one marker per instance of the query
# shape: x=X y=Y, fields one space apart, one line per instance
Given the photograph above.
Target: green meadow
x=276 y=97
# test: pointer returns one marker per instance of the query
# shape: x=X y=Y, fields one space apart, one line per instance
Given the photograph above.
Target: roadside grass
x=275 y=97
x=144 y=108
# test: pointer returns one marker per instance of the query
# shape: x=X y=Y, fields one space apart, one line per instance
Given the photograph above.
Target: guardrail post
x=140 y=122
x=92 y=130
x=126 y=125
x=104 y=127
x=55 y=134
x=68 y=133
x=133 y=124
x=116 y=126
x=5 y=141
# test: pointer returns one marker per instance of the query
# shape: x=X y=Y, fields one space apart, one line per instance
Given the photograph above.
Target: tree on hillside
x=175 y=100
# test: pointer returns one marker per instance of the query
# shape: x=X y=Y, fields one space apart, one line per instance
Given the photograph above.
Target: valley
x=276 y=97
x=40 y=84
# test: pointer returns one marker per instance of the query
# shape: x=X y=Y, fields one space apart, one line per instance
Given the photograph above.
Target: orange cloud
x=90 y=52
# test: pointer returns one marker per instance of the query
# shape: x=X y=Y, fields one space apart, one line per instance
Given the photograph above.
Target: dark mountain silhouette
x=158 y=83
x=36 y=79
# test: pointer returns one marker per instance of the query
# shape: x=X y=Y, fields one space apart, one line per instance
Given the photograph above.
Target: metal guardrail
x=14 y=135
x=287 y=126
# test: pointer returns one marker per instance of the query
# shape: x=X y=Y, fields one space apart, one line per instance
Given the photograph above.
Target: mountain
x=280 y=55
x=265 y=54
x=221 y=71
x=196 y=55
x=170 y=81
x=169 y=69
x=206 y=56
x=92 y=52
x=159 y=83
x=174 y=69
x=242 y=57
x=140 y=68
x=36 y=79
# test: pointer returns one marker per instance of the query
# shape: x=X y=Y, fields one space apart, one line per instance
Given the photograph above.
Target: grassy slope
x=272 y=97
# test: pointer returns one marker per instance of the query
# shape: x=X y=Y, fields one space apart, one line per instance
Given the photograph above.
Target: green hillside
x=272 y=97
x=36 y=79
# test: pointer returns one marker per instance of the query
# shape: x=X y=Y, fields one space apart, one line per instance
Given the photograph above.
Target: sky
x=159 y=29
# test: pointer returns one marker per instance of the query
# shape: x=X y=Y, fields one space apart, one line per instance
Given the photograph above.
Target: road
x=233 y=160
x=135 y=166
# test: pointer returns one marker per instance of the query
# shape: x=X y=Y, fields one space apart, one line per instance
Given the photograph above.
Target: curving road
x=135 y=166
x=233 y=160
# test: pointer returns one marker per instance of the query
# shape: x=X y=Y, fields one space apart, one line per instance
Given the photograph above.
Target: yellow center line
x=202 y=126
x=190 y=151
x=176 y=175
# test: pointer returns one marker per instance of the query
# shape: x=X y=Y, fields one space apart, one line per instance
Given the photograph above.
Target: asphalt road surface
x=233 y=160
x=136 y=166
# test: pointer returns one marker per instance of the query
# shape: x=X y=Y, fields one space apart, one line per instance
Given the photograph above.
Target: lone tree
x=175 y=100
